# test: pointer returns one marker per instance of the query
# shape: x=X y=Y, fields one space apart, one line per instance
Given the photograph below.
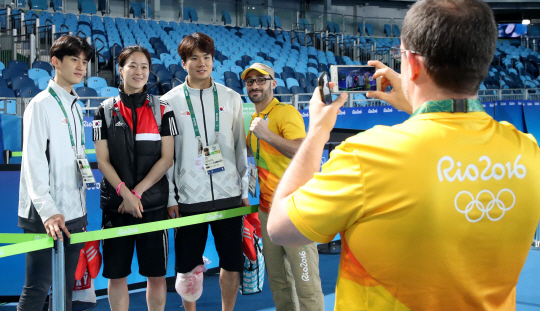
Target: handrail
x=98 y=54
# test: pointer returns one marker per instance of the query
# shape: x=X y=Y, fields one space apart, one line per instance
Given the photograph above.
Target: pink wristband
x=135 y=194
x=118 y=188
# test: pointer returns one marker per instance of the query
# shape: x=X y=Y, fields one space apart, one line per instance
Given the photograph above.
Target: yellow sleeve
x=291 y=124
x=331 y=201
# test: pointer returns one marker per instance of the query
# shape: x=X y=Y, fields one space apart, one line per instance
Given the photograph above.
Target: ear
x=54 y=61
x=274 y=84
x=415 y=65
x=184 y=65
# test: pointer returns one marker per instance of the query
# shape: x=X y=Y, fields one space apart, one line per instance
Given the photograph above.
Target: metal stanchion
x=58 y=276
x=7 y=156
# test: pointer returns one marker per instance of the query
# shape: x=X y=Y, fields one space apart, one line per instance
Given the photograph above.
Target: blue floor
x=528 y=291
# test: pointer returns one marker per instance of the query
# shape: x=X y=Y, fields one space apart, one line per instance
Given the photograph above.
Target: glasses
x=396 y=51
x=259 y=81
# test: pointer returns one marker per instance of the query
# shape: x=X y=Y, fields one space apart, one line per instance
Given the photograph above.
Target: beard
x=265 y=94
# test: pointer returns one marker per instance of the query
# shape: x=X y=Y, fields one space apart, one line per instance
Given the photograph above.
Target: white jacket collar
x=64 y=96
x=190 y=89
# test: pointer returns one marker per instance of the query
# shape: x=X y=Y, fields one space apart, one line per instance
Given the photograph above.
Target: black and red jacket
x=134 y=142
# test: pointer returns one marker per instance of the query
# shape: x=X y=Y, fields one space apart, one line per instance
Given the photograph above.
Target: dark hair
x=70 y=46
x=193 y=41
x=457 y=39
x=128 y=50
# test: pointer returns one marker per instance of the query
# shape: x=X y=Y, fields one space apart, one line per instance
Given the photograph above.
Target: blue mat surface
x=528 y=291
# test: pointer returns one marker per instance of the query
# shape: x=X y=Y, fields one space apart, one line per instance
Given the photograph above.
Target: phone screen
x=325 y=88
x=356 y=78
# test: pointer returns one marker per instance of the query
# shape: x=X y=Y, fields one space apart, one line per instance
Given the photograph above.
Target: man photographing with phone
x=436 y=213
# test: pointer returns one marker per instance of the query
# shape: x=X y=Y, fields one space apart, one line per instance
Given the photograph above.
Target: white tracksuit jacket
x=49 y=183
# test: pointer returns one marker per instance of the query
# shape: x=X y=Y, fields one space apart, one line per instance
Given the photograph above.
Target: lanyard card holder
x=86 y=172
x=213 y=160
x=252 y=180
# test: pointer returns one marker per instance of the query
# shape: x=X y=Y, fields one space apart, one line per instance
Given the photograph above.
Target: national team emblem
x=221 y=109
x=63 y=121
x=96 y=124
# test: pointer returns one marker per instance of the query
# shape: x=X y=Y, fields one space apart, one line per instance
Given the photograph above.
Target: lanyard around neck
x=449 y=105
x=53 y=93
x=192 y=113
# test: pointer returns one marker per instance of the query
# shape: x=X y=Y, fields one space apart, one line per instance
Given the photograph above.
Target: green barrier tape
x=19 y=153
x=26 y=247
x=47 y=242
x=12 y=238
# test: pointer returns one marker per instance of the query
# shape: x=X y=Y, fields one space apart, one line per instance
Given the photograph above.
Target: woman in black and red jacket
x=134 y=141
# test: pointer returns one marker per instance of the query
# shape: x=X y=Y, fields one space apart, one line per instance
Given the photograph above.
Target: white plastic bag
x=190 y=285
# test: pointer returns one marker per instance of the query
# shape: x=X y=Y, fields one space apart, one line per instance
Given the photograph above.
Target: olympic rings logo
x=485 y=209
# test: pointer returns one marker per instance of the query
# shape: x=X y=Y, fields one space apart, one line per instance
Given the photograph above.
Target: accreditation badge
x=253 y=175
x=85 y=172
x=213 y=159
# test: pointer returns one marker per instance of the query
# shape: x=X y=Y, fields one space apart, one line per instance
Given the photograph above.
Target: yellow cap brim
x=244 y=74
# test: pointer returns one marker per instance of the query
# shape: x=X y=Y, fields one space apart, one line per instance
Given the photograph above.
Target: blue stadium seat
x=88 y=92
x=226 y=17
x=283 y=90
x=96 y=83
x=36 y=73
x=43 y=82
x=108 y=92
x=193 y=14
x=11 y=106
x=180 y=75
x=18 y=64
x=369 y=30
x=297 y=90
x=164 y=75
x=397 y=32
x=290 y=82
x=88 y=7
x=233 y=84
x=28 y=91
x=42 y=65
x=20 y=82
x=146 y=10
x=277 y=22
x=6 y=92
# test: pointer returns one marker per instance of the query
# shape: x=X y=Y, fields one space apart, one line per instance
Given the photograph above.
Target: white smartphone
x=354 y=78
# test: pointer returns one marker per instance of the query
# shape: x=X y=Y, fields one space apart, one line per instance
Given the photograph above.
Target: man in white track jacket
x=209 y=173
x=52 y=196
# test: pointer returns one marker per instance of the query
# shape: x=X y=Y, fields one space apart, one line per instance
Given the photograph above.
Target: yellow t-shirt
x=285 y=121
x=437 y=213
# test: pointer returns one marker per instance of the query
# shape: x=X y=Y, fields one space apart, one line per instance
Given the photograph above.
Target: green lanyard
x=194 y=120
x=53 y=93
x=257 y=155
x=447 y=105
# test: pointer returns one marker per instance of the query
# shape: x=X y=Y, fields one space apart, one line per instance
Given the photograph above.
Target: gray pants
x=293 y=273
x=38 y=277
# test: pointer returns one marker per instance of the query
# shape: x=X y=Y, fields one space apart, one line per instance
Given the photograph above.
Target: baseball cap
x=262 y=68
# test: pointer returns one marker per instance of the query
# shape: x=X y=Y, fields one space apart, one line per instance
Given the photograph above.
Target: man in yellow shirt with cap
x=436 y=213
x=276 y=132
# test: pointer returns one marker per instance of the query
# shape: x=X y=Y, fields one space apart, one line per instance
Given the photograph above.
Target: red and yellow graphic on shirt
x=288 y=123
x=437 y=213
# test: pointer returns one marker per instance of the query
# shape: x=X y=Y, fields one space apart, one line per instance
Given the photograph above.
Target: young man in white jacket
x=209 y=115
x=52 y=195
